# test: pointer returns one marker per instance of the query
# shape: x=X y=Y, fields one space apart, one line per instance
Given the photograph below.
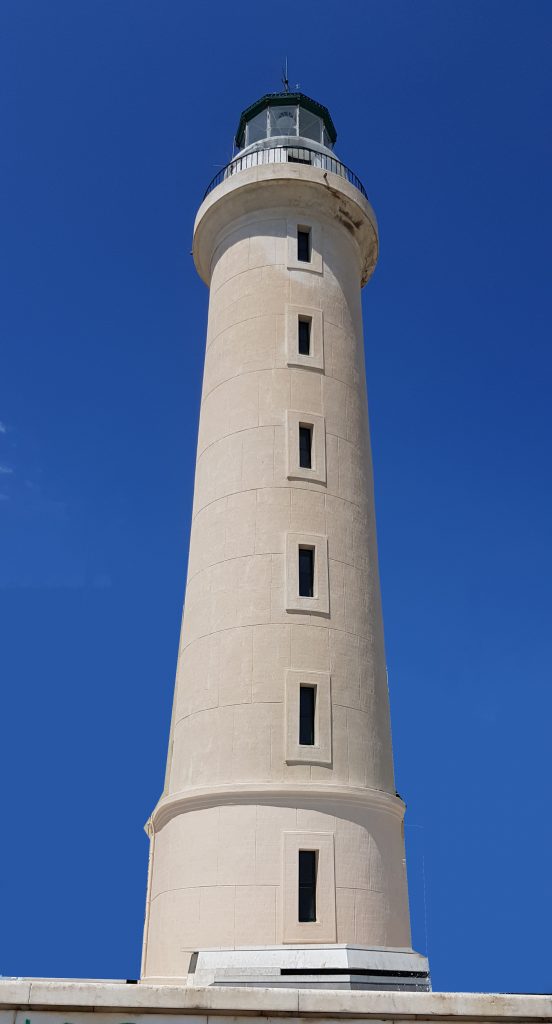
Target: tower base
x=321 y=966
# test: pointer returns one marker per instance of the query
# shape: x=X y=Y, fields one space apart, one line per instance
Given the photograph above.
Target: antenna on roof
x=285 y=80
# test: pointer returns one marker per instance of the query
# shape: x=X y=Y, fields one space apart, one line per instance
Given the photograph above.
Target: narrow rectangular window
x=305 y=446
x=307 y=708
x=307 y=884
x=304 y=335
x=303 y=245
x=306 y=572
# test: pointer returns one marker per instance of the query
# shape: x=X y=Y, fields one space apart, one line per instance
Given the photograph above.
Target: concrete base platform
x=329 y=966
x=58 y=1001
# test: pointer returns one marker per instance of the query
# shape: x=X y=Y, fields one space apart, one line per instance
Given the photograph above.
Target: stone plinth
x=45 y=1001
x=335 y=966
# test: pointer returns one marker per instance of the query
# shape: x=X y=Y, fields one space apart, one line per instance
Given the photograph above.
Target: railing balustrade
x=282 y=155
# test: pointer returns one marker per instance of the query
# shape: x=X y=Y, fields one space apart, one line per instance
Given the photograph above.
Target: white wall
x=218 y=873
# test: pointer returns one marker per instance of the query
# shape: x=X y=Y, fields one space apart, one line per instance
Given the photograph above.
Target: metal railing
x=282 y=155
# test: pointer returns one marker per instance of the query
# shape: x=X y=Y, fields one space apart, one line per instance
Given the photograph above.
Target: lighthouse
x=277 y=875
x=277 y=846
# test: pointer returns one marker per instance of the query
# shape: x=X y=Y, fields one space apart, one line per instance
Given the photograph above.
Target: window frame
x=319 y=603
x=306 y=431
x=315 y=264
x=306 y=570
x=317 y=472
x=304 y=233
x=309 y=887
x=304 y=321
x=323 y=929
x=307 y=715
x=315 y=359
x=319 y=753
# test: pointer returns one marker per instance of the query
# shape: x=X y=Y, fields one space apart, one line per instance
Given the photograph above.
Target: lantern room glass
x=310 y=126
x=256 y=128
x=281 y=121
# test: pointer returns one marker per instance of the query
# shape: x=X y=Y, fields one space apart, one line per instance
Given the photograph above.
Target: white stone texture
x=56 y=1001
x=216 y=871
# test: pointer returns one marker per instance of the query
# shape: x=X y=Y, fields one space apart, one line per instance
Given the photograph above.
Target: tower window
x=307 y=707
x=303 y=245
x=306 y=572
x=307 y=884
x=305 y=447
x=304 y=335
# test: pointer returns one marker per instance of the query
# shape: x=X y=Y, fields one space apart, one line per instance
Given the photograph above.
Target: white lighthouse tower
x=277 y=851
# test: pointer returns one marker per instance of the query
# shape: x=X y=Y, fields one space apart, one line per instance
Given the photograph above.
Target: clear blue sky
x=115 y=115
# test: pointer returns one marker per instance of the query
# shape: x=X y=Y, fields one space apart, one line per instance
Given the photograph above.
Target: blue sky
x=116 y=114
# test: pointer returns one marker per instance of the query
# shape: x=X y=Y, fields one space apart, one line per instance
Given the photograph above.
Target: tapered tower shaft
x=279 y=824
